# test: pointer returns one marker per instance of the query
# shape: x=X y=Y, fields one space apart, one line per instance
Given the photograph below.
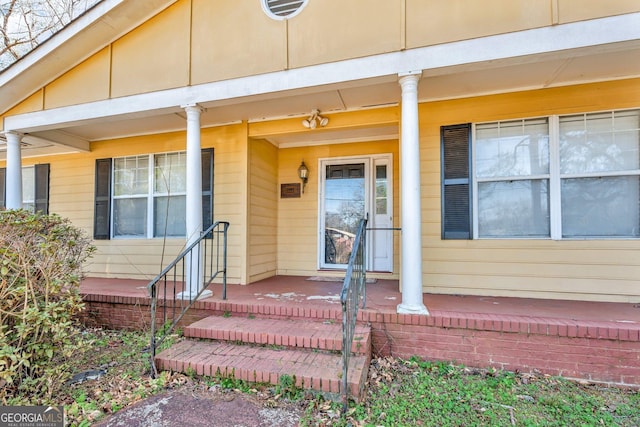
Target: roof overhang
x=580 y=52
x=105 y=22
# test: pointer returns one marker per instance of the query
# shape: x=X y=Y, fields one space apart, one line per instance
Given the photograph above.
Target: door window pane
x=381 y=190
x=513 y=208
x=601 y=207
x=344 y=207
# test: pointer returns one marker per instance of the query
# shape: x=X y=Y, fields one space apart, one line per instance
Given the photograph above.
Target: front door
x=350 y=189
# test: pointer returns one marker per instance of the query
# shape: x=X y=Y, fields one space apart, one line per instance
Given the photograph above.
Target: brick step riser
x=312 y=377
x=253 y=376
x=309 y=334
x=306 y=314
x=361 y=345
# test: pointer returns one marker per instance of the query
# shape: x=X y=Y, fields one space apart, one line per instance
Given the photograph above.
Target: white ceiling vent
x=283 y=9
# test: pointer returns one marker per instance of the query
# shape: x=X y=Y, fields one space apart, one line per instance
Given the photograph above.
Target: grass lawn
x=400 y=393
x=419 y=393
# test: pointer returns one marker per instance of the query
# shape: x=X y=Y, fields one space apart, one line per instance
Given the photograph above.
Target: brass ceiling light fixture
x=314 y=120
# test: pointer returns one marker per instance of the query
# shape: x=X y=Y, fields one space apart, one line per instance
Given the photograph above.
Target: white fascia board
x=522 y=44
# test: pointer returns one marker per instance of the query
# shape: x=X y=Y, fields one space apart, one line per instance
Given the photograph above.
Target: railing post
x=224 y=262
x=179 y=270
x=353 y=290
x=154 y=302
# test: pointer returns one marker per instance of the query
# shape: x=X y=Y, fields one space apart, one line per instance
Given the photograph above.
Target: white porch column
x=194 y=266
x=411 y=271
x=13 y=178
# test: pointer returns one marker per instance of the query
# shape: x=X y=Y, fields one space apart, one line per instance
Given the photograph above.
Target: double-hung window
x=149 y=195
x=512 y=178
x=35 y=188
x=145 y=196
x=600 y=173
x=573 y=176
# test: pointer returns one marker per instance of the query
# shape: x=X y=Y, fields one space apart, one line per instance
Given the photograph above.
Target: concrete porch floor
x=383 y=297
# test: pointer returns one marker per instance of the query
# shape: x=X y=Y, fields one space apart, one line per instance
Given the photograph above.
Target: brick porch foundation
x=598 y=351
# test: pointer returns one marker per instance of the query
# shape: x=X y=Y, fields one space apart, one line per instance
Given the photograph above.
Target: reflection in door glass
x=344 y=207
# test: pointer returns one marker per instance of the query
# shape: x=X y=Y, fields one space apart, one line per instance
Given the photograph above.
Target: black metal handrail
x=353 y=293
x=207 y=257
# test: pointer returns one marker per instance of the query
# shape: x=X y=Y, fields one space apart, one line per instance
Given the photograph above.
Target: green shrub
x=40 y=269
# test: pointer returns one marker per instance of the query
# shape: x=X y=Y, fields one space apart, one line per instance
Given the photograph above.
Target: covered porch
x=593 y=341
x=380 y=102
x=323 y=293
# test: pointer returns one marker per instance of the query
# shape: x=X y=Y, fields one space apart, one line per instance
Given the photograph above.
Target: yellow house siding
x=331 y=30
x=573 y=269
x=298 y=217
x=579 y=10
x=154 y=56
x=87 y=82
x=230 y=191
x=434 y=21
x=140 y=259
x=71 y=189
x=234 y=38
x=72 y=186
x=263 y=210
x=34 y=102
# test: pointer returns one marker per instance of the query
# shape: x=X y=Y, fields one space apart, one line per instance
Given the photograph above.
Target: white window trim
x=555 y=180
x=150 y=196
x=555 y=202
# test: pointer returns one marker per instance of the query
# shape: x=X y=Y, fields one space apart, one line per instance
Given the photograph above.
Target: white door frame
x=369 y=162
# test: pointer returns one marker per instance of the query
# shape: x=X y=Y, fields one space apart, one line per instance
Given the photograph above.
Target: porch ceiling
x=583 y=65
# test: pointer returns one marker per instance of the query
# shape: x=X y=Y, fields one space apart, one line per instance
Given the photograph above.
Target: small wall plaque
x=290 y=191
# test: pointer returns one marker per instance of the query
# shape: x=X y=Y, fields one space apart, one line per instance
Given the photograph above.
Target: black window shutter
x=207 y=188
x=42 y=188
x=102 y=210
x=456 y=183
x=3 y=173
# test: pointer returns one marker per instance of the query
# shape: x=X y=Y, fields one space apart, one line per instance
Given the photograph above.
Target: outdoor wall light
x=314 y=119
x=303 y=173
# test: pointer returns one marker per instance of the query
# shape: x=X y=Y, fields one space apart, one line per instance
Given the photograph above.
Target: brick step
x=321 y=371
x=289 y=333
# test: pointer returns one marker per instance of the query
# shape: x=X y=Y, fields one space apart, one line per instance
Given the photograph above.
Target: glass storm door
x=351 y=189
x=344 y=206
